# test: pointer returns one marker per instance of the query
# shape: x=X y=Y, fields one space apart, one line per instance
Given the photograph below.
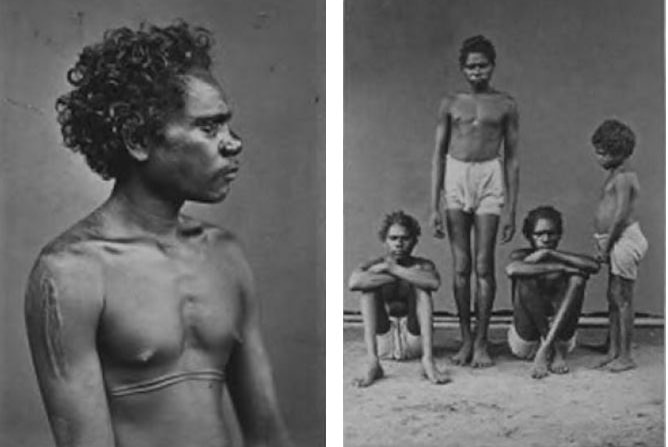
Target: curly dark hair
x=542 y=212
x=615 y=138
x=477 y=44
x=125 y=87
x=399 y=218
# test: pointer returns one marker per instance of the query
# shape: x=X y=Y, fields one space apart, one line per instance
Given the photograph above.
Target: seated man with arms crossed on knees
x=546 y=283
x=139 y=316
x=396 y=301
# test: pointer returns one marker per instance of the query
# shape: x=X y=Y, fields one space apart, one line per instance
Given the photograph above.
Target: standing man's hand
x=436 y=221
x=507 y=227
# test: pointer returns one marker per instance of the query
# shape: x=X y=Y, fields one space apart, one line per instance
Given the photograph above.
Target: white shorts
x=474 y=186
x=526 y=349
x=398 y=343
x=627 y=252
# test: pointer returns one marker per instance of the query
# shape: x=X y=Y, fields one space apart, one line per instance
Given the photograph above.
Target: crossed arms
x=421 y=274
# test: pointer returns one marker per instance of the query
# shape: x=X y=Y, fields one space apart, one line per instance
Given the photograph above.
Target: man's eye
x=209 y=128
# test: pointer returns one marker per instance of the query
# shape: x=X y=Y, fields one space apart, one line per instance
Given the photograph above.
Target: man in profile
x=138 y=316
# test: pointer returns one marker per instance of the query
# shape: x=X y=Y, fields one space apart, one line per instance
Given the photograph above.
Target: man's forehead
x=397 y=229
x=203 y=96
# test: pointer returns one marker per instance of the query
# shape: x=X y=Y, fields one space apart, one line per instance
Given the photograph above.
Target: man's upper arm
x=443 y=125
x=62 y=307
x=249 y=372
x=512 y=126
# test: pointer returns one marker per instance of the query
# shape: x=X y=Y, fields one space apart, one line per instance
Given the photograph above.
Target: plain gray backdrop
x=270 y=58
x=569 y=64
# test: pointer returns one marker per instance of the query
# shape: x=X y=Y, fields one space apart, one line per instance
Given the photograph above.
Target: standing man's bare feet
x=464 y=354
x=621 y=364
x=373 y=373
x=540 y=366
x=481 y=358
x=433 y=374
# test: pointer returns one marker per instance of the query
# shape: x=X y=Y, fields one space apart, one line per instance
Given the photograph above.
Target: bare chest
x=162 y=308
x=469 y=114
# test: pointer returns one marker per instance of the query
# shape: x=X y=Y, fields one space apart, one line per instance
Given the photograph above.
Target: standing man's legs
x=459 y=226
x=613 y=317
x=375 y=321
x=486 y=226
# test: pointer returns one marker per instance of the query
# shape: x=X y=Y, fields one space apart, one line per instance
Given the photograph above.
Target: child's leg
x=613 y=316
x=622 y=293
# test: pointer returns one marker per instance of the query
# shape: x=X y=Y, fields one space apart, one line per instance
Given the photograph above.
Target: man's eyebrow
x=218 y=118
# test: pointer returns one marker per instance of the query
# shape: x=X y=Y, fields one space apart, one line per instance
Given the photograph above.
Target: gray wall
x=270 y=57
x=569 y=64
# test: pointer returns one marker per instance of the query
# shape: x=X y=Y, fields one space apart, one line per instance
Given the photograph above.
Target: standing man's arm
x=62 y=307
x=443 y=130
x=249 y=374
x=511 y=168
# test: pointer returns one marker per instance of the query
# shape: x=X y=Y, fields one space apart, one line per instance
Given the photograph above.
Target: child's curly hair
x=477 y=44
x=125 y=87
x=399 y=218
x=615 y=138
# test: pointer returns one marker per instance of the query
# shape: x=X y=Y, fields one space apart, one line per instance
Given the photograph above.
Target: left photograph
x=163 y=214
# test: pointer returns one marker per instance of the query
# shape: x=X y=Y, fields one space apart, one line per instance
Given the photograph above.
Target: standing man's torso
x=477 y=124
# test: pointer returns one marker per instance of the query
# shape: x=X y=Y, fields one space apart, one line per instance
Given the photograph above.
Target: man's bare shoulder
x=76 y=245
x=68 y=270
x=423 y=263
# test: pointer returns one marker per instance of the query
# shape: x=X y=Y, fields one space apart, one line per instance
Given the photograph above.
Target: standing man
x=475 y=170
x=139 y=316
x=395 y=292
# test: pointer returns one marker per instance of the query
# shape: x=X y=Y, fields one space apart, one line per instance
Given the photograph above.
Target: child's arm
x=438 y=165
x=623 y=189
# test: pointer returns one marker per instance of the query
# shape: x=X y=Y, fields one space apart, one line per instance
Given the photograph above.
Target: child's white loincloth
x=627 y=252
x=398 y=343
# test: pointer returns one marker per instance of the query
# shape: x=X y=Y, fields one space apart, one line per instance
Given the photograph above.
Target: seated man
x=396 y=301
x=546 y=281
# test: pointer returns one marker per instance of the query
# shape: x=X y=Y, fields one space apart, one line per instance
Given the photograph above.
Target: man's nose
x=230 y=144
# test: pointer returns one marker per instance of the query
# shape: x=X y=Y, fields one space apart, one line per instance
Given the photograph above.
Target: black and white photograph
x=504 y=223
x=162 y=223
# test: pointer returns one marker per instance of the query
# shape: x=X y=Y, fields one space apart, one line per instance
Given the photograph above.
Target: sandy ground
x=503 y=406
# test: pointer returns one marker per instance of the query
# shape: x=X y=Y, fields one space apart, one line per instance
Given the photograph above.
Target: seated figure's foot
x=464 y=354
x=373 y=373
x=432 y=373
x=539 y=369
x=621 y=364
x=559 y=365
x=481 y=358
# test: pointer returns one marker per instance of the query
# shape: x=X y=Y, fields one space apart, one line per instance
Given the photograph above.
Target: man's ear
x=136 y=146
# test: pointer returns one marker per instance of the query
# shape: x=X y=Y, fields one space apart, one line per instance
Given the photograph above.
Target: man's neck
x=140 y=210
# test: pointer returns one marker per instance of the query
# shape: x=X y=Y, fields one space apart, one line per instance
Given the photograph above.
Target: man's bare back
x=477 y=123
x=168 y=313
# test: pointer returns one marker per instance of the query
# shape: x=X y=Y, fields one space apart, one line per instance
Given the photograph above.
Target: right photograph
x=504 y=223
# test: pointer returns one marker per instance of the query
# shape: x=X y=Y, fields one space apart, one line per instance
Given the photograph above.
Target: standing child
x=619 y=240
